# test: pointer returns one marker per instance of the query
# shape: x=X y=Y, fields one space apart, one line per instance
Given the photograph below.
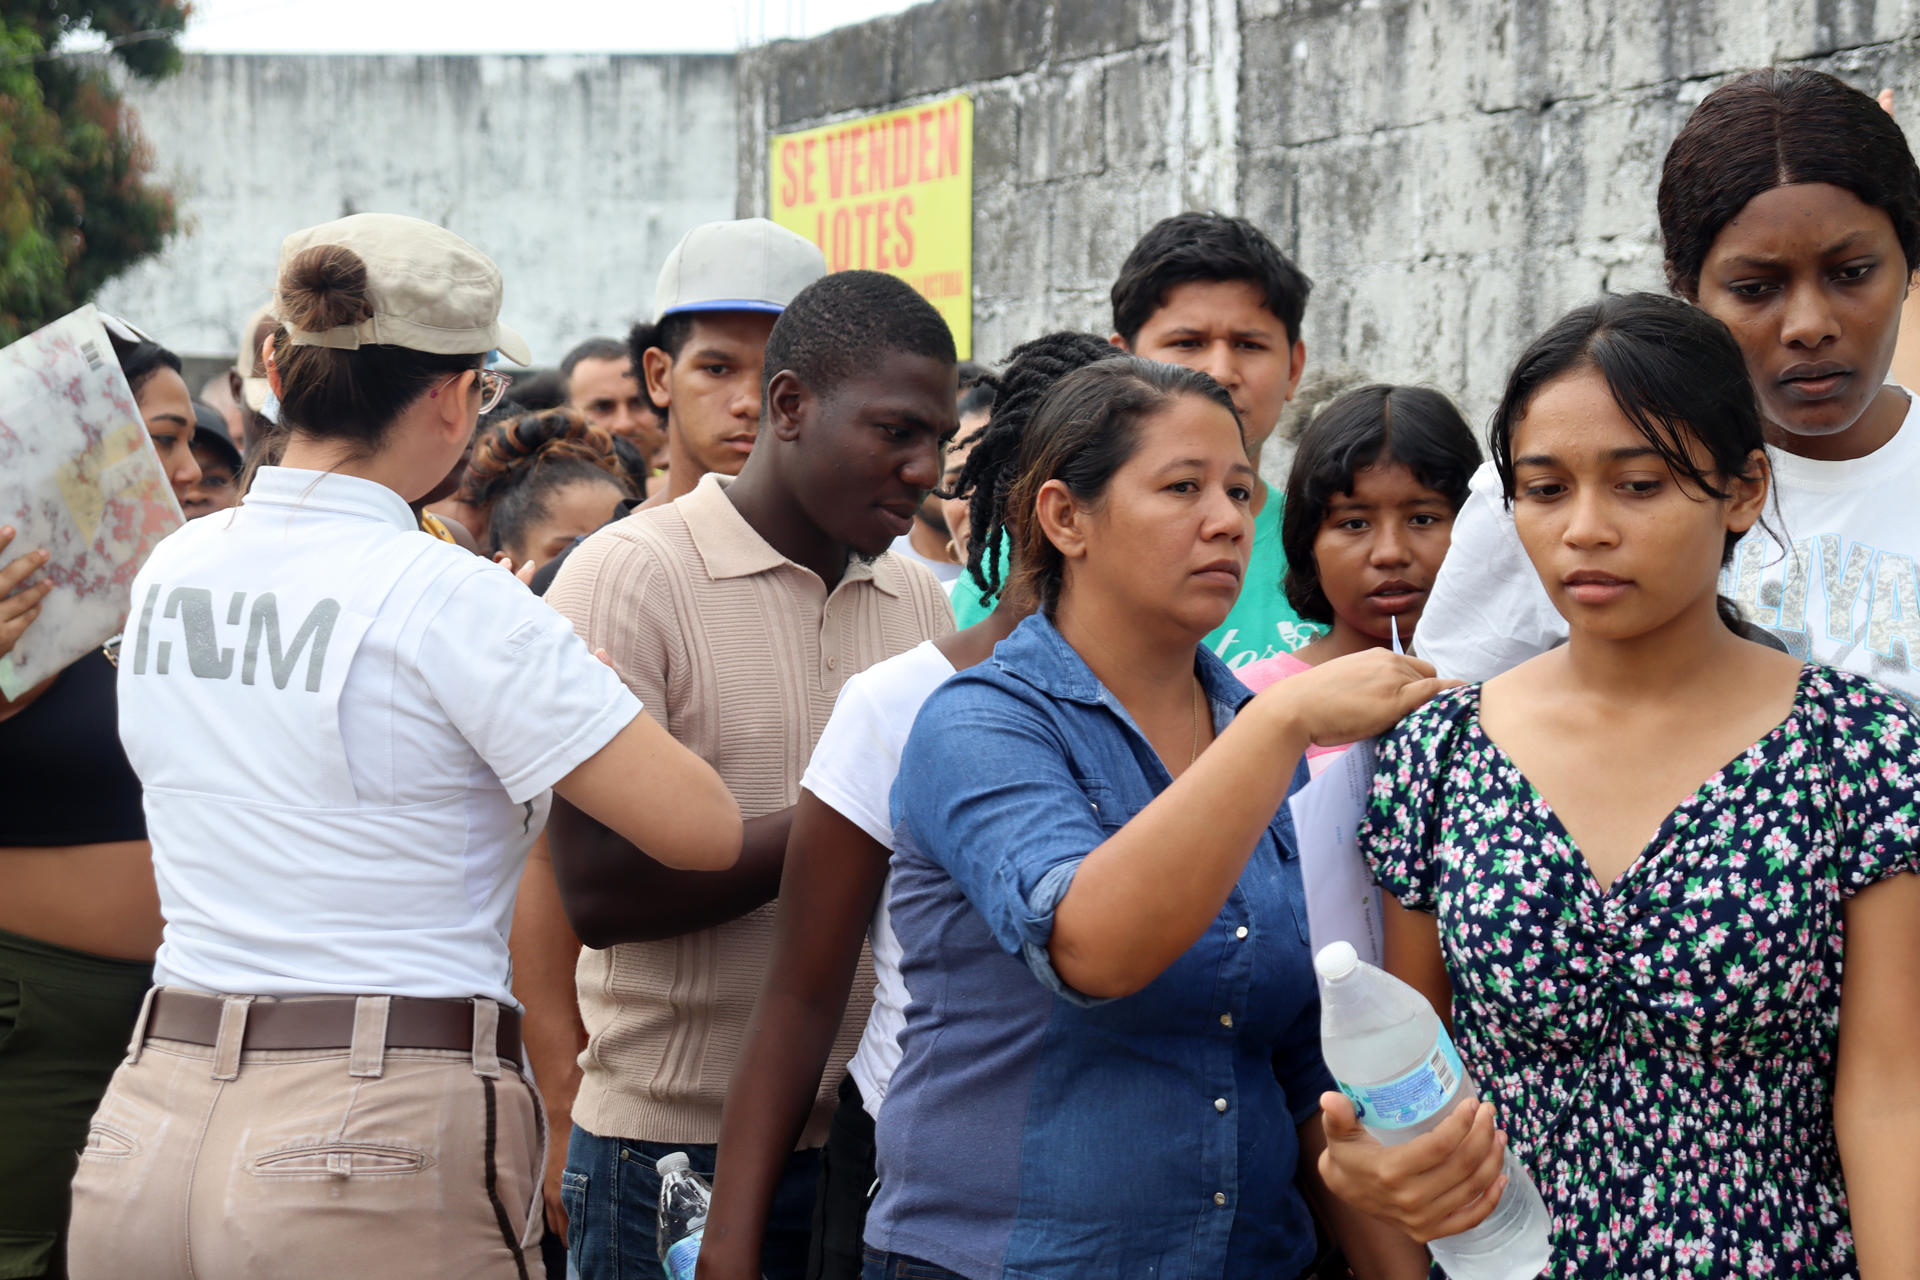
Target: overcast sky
x=497 y=26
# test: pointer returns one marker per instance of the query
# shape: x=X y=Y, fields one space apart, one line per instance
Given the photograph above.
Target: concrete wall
x=1084 y=135
x=1456 y=173
x=1452 y=173
x=577 y=174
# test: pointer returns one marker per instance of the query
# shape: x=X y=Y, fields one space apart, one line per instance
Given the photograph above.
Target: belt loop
x=233 y=1034
x=368 y=1057
x=140 y=1026
x=486 y=1037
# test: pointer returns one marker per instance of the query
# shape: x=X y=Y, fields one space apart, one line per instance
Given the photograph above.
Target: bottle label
x=681 y=1257
x=1406 y=1101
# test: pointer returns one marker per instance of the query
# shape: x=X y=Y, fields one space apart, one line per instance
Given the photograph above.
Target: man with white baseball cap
x=718 y=295
x=348 y=734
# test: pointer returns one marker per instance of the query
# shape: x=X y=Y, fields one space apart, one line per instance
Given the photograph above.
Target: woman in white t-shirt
x=346 y=732
x=833 y=890
x=1790 y=211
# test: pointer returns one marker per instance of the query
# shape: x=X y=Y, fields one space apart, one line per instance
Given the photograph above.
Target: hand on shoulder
x=1359 y=696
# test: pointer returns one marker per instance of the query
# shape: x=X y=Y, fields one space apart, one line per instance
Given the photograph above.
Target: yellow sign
x=892 y=193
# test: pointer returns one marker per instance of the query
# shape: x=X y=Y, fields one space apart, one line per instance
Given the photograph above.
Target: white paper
x=79 y=478
x=1343 y=903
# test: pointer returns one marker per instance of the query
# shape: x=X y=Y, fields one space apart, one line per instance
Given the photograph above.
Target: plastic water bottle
x=684 y=1201
x=1390 y=1054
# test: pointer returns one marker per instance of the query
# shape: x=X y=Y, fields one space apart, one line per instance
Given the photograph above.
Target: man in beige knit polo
x=736 y=613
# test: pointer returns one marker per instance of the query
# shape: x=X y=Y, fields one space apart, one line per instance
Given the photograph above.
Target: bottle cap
x=674 y=1162
x=1336 y=960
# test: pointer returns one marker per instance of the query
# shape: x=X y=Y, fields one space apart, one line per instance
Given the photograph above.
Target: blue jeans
x=898 y=1266
x=612 y=1197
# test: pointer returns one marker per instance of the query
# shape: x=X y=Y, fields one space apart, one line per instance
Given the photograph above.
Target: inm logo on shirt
x=207 y=660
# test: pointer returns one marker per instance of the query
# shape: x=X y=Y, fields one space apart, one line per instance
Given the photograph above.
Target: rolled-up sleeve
x=986 y=791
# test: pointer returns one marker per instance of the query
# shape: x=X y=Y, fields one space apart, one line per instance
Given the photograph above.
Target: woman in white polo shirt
x=346 y=732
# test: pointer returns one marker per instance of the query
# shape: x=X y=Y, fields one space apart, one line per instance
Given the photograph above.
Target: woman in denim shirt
x=1111 y=1061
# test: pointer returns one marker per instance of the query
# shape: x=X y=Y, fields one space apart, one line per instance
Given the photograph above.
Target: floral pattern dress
x=1662 y=1052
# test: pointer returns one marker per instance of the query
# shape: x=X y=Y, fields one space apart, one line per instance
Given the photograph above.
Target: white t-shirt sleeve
x=858 y=755
x=854 y=763
x=1488 y=612
x=519 y=685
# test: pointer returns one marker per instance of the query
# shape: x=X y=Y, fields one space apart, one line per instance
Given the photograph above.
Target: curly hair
x=517 y=466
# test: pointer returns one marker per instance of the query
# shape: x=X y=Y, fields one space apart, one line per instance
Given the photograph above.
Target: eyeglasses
x=493 y=387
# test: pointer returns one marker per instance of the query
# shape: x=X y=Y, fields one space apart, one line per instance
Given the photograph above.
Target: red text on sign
x=875 y=235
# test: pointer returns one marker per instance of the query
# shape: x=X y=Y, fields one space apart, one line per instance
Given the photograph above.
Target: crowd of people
x=763 y=739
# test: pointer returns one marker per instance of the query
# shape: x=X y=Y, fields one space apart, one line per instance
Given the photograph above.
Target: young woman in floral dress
x=1654 y=875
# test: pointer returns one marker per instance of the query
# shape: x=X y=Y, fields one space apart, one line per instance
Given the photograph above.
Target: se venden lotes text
x=866 y=159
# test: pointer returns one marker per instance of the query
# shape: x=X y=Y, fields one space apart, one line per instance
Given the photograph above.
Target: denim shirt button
x=1226 y=1019
x=1241 y=932
x=1219 y=1104
x=1219 y=1197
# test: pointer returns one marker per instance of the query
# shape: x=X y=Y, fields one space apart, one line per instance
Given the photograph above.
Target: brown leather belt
x=326 y=1022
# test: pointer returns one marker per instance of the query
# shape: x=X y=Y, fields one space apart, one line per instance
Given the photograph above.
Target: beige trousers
x=208 y=1163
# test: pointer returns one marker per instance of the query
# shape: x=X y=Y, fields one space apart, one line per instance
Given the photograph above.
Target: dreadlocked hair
x=994 y=465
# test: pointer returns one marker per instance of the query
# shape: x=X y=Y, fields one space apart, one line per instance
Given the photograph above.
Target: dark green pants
x=65 y=1017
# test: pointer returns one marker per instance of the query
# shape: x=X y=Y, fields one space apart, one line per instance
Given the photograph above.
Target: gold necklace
x=1196 y=723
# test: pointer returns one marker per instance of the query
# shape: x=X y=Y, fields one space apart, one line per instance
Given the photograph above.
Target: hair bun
x=549 y=433
x=324 y=287
x=508 y=449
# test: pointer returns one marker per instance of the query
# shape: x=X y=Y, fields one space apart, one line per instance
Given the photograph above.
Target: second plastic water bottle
x=1390 y=1054
x=684 y=1201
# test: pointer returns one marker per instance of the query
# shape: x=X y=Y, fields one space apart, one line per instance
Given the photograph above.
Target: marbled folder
x=78 y=476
